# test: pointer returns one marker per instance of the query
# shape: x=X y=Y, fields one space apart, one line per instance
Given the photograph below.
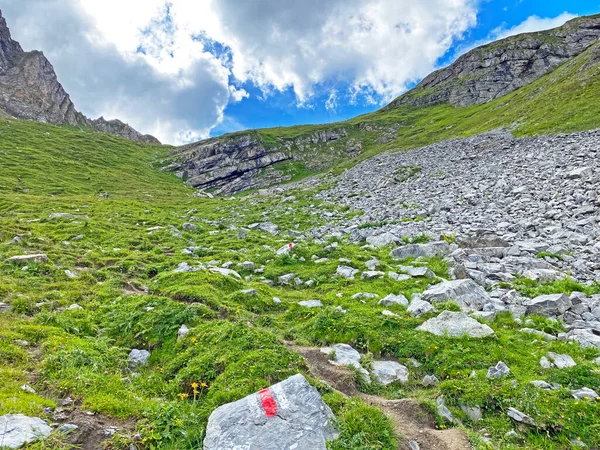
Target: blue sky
x=184 y=70
x=282 y=109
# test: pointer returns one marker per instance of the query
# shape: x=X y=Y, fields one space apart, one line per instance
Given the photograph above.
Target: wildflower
x=194 y=385
x=47 y=410
x=137 y=436
x=203 y=385
x=194 y=340
x=196 y=392
x=183 y=395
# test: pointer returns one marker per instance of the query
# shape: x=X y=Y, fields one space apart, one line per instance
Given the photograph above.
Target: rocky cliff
x=242 y=161
x=499 y=68
x=29 y=89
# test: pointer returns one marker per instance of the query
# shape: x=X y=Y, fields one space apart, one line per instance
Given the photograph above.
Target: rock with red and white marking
x=289 y=415
x=287 y=248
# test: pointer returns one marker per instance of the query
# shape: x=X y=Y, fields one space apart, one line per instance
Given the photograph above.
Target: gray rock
x=520 y=417
x=472 y=412
x=443 y=411
x=343 y=355
x=500 y=370
x=226 y=272
x=584 y=393
x=430 y=380
x=26 y=259
x=586 y=338
x=67 y=428
x=391 y=299
x=386 y=372
x=288 y=415
x=247 y=265
x=384 y=239
x=440 y=248
x=311 y=304
x=182 y=332
x=17 y=430
x=468 y=294
x=418 y=308
x=189 y=226
x=548 y=305
x=455 y=324
x=561 y=361
x=540 y=384
x=365 y=295
x=138 y=358
x=417 y=272
x=545 y=363
x=370 y=274
x=545 y=336
x=347 y=272
x=269 y=227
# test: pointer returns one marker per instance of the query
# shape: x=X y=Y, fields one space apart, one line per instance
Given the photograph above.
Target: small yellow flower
x=194 y=340
x=194 y=385
x=182 y=395
x=196 y=392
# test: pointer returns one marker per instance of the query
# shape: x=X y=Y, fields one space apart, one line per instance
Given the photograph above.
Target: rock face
x=455 y=324
x=17 y=430
x=29 y=89
x=241 y=161
x=499 y=68
x=468 y=294
x=288 y=415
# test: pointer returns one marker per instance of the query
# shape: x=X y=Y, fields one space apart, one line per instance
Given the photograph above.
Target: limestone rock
x=17 y=430
x=386 y=372
x=138 y=358
x=468 y=294
x=287 y=415
x=548 y=305
x=455 y=324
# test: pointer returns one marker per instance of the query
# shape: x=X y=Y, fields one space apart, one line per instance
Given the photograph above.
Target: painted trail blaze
x=268 y=402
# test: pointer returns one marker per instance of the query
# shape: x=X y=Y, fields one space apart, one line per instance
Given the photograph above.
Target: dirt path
x=410 y=420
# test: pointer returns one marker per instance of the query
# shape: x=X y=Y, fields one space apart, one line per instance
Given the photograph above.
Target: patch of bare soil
x=411 y=421
x=93 y=429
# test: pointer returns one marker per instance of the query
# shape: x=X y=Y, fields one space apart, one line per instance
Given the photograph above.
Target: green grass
x=131 y=298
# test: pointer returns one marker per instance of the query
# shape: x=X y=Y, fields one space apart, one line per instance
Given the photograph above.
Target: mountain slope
x=563 y=98
x=29 y=89
x=499 y=68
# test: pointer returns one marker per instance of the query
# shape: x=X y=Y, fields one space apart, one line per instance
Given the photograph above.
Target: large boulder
x=548 y=305
x=26 y=259
x=468 y=294
x=289 y=415
x=455 y=324
x=386 y=372
x=381 y=240
x=439 y=248
x=17 y=430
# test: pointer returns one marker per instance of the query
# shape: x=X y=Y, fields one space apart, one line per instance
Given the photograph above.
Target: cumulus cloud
x=531 y=24
x=170 y=68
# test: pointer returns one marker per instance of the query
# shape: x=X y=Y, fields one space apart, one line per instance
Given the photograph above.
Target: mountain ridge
x=29 y=89
x=560 y=98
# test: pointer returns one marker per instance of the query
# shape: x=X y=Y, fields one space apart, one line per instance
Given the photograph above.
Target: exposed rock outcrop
x=29 y=89
x=499 y=68
x=241 y=161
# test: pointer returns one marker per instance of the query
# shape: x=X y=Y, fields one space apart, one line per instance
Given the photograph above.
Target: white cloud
x=170 y=68
x=531 y=24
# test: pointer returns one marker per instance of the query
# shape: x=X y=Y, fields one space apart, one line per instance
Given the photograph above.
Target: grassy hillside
x=123 y=250
x=563 y=101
